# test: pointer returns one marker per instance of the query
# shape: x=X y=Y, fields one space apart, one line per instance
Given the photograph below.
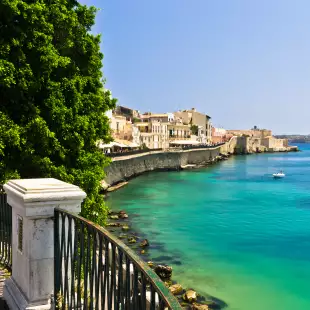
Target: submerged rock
x=144 y=243
x=176 y=289
x=132 y=240
x=163 y=271
x=214 y=303
x=200 y=307
x=122 y=236
x=122 y=215
x=168 y=283
x=125 y=227
x=190 y=296
x=114 y=224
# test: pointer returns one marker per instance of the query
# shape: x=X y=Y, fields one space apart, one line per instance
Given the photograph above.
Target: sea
x=230 y=230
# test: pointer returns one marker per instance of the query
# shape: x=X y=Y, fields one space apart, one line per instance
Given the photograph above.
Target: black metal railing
x=199 y=146
x=127 y=153
x=5 y=230
x=94 y=270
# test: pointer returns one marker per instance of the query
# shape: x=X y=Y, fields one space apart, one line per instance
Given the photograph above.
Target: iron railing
x=5 y=230
x=177 y=146
x=95 y=270
x=127 y=153
x=198 y=146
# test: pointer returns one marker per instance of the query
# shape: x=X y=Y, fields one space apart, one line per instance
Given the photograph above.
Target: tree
x=194 y=129
x=52 y=96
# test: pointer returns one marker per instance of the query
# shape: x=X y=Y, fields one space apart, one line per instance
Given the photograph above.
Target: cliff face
x=123 y=169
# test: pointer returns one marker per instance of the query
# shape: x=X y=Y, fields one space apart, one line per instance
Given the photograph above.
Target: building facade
x=153 y=134
x=208 y=129
x=201 y=120
x=255 y=132
x=218 y=135
x=272 y=143
x=128 y=113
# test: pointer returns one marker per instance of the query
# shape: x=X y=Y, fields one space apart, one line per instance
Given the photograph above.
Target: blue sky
x=243 y=62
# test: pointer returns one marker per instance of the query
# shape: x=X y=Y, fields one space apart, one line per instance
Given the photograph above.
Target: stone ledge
x=37 y=198
x=17 y=301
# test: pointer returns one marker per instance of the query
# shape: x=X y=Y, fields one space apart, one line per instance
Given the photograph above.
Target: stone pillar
x=33 y=202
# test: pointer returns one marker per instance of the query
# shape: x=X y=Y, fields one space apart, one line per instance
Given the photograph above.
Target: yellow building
x=154 y=134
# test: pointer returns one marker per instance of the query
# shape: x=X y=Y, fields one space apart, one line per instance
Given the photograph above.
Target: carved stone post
x=33 y=202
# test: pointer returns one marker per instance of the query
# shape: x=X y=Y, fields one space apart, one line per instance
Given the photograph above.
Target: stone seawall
x=122 y=169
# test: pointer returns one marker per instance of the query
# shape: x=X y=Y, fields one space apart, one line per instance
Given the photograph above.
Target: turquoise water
x=230 y=230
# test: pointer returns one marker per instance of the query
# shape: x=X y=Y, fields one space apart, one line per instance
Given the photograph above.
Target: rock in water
x=132 y=240
x=163 y=271
x=200 y=307
x=190 y=296
x=151 y=264
x=114 y=217
x=104 y=185
x=125 y=227
x=122 y=215
x=176 y=289
x=144 y=243
x=114 y=224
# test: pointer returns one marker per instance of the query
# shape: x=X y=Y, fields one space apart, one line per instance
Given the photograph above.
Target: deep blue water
x=231 y=230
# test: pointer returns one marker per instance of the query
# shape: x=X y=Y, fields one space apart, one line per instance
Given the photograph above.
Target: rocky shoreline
x=119 y=225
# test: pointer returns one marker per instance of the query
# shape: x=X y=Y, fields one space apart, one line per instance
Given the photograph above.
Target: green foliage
x=194 y=129
x=144 y=147
x=52 y=97
x=136 y=120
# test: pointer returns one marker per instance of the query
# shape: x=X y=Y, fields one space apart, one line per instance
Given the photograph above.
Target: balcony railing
x=5 y=230
x=95 y=270
x=173 y=137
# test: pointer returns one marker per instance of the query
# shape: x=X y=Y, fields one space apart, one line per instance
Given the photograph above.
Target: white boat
x=279 y=175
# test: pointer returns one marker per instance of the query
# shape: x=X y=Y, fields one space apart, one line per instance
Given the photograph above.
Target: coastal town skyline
x=133 y=130
x=239 y=61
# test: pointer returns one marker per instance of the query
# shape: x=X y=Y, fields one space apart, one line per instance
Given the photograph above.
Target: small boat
x=279 y=175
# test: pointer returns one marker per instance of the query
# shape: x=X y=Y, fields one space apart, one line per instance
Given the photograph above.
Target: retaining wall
x=123 y=169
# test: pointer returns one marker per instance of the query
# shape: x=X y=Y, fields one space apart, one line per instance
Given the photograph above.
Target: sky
x=243 y=62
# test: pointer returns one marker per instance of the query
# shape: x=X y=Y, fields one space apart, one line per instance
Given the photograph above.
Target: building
x=255 y=132
x=179 y=131
x=123 y=129
x=119 y=126
x=153 y=134
x=201 y=120
x=130 y=114
x=272 y=143
x=208 y=129
x=218 y=135
x=146 y=117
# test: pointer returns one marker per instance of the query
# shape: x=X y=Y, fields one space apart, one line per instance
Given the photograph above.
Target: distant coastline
x=295 y=138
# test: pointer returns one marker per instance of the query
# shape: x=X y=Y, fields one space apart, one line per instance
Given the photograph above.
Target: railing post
x=33 y=202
